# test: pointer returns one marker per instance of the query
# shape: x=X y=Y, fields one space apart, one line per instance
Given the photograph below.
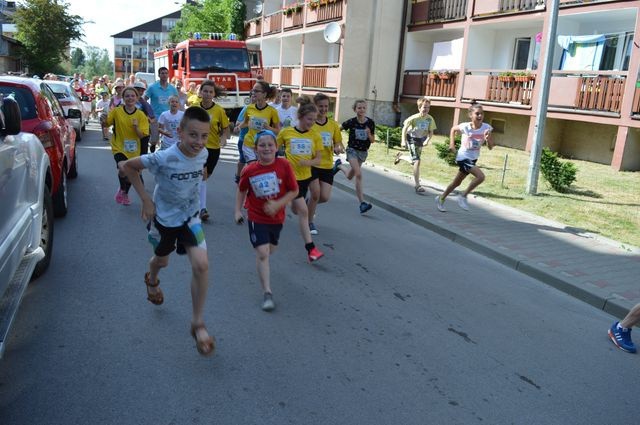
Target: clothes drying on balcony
x=581 y=52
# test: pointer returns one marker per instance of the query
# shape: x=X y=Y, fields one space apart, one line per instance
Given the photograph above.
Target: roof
x=154 y=25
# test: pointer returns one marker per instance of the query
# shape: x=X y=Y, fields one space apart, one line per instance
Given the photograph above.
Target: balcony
x=320 y=11
x=430 y=83
x=317 y=77
x=601 y=92
x=293 y=16
x=272 y=23
x=431 y=11
x=499 y=7
x=253 y=28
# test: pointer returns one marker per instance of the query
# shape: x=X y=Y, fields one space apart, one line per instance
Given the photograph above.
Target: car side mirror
x=74 y=113
x=11 y=117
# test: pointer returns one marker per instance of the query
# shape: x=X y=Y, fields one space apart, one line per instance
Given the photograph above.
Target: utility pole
x=543 y=100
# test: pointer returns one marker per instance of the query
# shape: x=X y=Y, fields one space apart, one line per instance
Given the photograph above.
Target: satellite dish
x=257 y=9
x=332 y=32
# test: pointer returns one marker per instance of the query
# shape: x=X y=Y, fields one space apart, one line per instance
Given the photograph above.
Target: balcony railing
x=321 y=77
x=600 y=91
x=428 y=83
x=323 y=10
x=635 y=108
x=273 y=23
x=253 y=28
x=438 y=11
x=489 y=7
x=294 y=18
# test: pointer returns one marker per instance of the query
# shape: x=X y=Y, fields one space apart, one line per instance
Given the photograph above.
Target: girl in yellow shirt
x=302 y=147
x=218 y=135
x=130 y=125
x=259 y=116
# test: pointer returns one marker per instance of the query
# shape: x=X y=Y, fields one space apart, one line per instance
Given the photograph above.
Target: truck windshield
x=218 y=60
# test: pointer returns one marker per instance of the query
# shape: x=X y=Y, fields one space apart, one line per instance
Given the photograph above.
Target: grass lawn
x=601 y=201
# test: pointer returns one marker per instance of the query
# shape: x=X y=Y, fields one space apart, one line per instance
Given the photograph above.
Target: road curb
x=604 y=302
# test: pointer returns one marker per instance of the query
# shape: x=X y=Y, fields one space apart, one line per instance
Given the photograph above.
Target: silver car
x=26 y=213
x=69 y=99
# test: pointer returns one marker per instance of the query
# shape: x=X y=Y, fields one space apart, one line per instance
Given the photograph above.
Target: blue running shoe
x=622 y=338
x=313 y=229
x=364 y=207
x=336 y=164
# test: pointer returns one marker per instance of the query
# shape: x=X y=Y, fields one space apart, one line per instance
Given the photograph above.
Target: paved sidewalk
x=599 y=271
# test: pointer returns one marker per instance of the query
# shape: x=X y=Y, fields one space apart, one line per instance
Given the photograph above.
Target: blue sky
x=114 y=16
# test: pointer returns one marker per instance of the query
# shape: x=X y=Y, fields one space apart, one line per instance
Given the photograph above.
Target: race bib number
x=130 y=146
x=300 y=147
x=257 y=123
x=361 y=134
x=265 y=185
x=327 y=140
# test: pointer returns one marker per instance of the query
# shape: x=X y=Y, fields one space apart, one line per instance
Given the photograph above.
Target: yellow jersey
x=257 y=119
x=219 y=121
x=331 y=134
x=125 y=140
x=300 y=146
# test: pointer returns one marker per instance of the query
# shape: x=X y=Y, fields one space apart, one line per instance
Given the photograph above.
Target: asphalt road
x=396 y=325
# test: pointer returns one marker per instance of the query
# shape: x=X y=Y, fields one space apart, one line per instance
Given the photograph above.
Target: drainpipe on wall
x=396 y=93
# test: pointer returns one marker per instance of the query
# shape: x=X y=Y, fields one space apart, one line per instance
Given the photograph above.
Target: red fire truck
x=223 y=59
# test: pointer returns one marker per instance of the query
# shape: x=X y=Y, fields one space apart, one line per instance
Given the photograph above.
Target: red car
x=43 y=116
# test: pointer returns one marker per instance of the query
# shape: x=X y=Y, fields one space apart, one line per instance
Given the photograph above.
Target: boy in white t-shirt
x=174 y=223
x=169 y=122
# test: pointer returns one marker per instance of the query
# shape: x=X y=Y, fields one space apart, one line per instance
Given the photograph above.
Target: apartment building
x=133 y=48
x=358 y=58
x=491 y=51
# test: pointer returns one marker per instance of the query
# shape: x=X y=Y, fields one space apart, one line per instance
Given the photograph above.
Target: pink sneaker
x=125 y=199
x=315 y=254
x=119 y=196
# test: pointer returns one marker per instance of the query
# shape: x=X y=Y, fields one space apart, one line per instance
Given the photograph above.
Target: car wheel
x=78 y=134
x=46 y=235
x=60 y=197
x=73 y=170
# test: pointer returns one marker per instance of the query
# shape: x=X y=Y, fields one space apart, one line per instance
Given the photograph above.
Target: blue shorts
x=262 y=234
x=466 y=164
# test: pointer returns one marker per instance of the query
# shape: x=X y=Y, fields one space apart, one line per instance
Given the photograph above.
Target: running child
x=218 y=135
x=322 y=174
x=259 y=116
x=266 y=187
x=416 y=133
x=173 y=214
x=169 y=122
x=474 y=135
x=361 y=134
x=302 y=148
x=102 y=108
x=130 y=126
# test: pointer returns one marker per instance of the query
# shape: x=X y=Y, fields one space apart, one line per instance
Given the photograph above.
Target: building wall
x=589 y=142
x=632 y=151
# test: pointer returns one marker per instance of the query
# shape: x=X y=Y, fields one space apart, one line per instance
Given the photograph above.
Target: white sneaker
x=462 y=202
x=440 y=204
x=268 y=304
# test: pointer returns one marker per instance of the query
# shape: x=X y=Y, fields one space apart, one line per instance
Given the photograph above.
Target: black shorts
x=212 y=160
x=324 y=174
x=165 y=239
x=303 y=187
x=466 y=164
x=262 y=234
x=144 y=145
x=119 y=157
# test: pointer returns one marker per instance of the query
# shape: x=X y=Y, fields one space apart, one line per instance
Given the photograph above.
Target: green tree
x=77 y=58
x=210 y=16
x=97 y=62
x=46 y=29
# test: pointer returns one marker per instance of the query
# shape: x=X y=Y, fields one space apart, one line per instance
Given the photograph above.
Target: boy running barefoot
x=173 y=213
x=267 y=186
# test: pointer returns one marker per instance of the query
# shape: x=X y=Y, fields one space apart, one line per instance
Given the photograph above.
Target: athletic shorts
x=324 y=174
x=212 y=160
x=165 y=239
x=144 y=145
x=303 y=187
x=119 y=157
x=415 y=151
x=466 y=164
x=361 y=156
x=262 y=234
x=249 y=154
x=241 y=159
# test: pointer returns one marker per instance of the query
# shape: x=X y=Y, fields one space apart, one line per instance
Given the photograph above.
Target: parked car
x=43 y=116
x=69 y=99
x=26 y=215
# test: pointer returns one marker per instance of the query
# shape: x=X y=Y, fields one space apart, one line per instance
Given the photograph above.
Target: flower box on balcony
x=434 y=75
x=445 y=75
x=524 y=77
x=505 y=77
